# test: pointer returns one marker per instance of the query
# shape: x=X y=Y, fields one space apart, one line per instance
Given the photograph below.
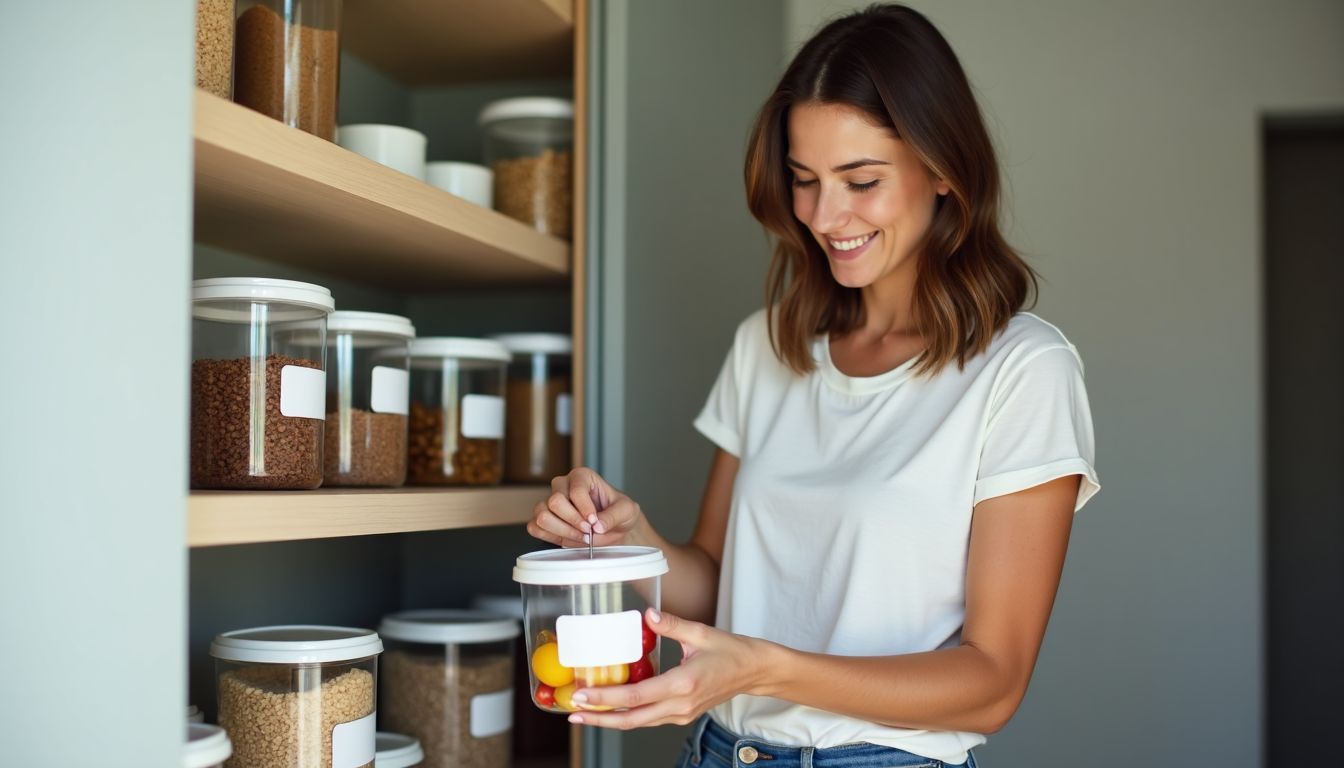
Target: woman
x=900 y=452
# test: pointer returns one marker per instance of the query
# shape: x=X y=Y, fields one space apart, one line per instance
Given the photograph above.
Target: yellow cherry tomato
x=564 y=697
x=546 y=666
x=545 y=636
x=596 y=677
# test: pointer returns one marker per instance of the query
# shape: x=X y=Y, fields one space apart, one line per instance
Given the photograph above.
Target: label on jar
x=600 y=640
x=564 y=415
x=303 y=392
x=483 y=417
x=352 y=743
x=390 y=391
x=491 y=713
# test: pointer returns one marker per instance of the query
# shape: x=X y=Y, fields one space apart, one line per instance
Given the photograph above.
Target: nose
x=832 y=211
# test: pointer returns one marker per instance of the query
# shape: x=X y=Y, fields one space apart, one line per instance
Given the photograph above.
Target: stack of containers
x=539 y=424
x=457 y=412
x=368 y=389
x=448 y=681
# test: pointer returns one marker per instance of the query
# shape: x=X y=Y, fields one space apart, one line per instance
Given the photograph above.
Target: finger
x=560 y=506
x=659 y=699
x=662 y=713
x=617 y=517
x=552 y=524
x=584 y=489
x=675 y=628
x=560 y=484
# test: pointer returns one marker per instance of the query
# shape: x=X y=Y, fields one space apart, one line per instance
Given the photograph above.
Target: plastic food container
x=207 y=746
x=214 y=47
x=194 y=714
x=396 y=751
x=298 y=696
x=471 y=182
x=258 y=383
x=448 y=681
x=529 y=145
x=368 y=399
x=539 y=419
x=401 y=149
x=457 y=412
x=287 y=58
x=584 y=619
x=535 y=735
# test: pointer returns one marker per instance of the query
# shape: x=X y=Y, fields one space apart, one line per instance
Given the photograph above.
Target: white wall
x=1130 y=137
x=95 y=260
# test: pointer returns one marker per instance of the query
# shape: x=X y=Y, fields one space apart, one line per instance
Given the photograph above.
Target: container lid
x=536 y=343
x=194 y=714
x=527 y=107
x=262 y=289
x=573 y=566
x=504 y=605
x=450 y=346
x=369 y=322
x=396 y=751
x=207 y=745
x=296 y=644
x=448 y=626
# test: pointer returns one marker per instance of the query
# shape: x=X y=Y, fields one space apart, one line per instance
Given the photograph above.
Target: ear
x=942 y=187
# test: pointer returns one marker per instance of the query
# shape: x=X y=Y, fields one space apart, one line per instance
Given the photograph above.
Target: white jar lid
x=194 y=714
x=572 y=566
x=262 y=289
x=207 y=745
x=296 y=644
x=469 y=349
x=448 y=626
x=536 y=343
x=527 y=107
x=369 y=322
x=396 y=751
x=504 y=605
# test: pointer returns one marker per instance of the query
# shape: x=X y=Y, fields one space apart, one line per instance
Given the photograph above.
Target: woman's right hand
x=581 y=504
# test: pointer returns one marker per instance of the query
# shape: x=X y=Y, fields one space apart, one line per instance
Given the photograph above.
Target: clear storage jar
x=457 y=412
x=368 y=399
x=584 y=619
x=258 y=383
x=448 y=681
x=535 y=735
x=396 y=751
x=298 y=696
x=287 y=61
x=539 y=422
x=214 y=47
x=207 y=746
x=529 y=146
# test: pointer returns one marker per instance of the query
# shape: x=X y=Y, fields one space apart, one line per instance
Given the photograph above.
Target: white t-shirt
x=851 y=511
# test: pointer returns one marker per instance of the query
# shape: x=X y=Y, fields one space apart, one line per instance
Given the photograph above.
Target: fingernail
x=579 y=698
x=600 y=528
x=585 y=527
x=592 y=519
x=576 y=719
x=587 y=538
x=655 y=616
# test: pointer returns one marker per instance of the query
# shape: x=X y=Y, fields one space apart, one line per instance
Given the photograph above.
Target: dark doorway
x=1304 y=369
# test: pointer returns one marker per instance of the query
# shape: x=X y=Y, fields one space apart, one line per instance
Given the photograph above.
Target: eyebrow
x=839 y=168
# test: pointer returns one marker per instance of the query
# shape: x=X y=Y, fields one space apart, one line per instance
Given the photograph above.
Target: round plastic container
x=457 y=412
x=298 y=696
x=448 y=681
x=258 y=383
x=368 y=399
x=194 y=714
x=535 y=735
x=529 y=144
x=286 y=60
x=207 y=746
x=584 y=619
x=539 y=423
x=396 y=751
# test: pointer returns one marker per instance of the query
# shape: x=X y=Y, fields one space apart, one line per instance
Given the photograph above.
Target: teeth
x=849 y=245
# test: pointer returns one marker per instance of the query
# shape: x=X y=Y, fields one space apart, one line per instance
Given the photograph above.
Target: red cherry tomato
x=640 y=670
x=545 y=695
x=650 y=639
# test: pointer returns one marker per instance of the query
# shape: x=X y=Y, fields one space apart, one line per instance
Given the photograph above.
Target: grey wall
x=95 y=210
x=1130 y=137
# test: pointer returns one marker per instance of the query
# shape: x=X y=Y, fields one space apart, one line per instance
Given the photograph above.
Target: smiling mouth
x=851 y=243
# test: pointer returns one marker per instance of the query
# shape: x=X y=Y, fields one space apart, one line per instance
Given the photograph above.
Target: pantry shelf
x=432 y=42
x=268 y=190
x=215 y=518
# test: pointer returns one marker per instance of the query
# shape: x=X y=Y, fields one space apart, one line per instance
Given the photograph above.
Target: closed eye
x=864 y=187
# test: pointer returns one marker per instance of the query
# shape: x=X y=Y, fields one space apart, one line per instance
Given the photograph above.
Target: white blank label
x=564 y=415
x=390 y=391
x=601 y=640
x=352 y=743
x=491 y=713
x=303 y=392
x=483 y=417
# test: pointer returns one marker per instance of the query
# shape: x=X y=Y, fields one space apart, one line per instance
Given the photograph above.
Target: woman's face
x=864 y=194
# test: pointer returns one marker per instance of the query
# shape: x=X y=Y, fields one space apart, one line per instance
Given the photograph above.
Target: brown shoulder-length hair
x=891 y=63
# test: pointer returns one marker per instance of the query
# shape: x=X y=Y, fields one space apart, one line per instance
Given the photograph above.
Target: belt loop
x=697 y=738
x=805 y=757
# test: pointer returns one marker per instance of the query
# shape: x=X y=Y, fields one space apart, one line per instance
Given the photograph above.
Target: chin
x=849 y=277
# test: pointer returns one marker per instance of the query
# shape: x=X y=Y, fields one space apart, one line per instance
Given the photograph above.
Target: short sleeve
x=720 y=419
x=1039 y=428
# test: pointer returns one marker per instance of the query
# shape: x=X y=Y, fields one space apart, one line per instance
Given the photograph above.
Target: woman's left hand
x=715 y=667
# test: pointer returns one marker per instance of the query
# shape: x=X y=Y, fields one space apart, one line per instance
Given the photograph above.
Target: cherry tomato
x=545 y=695
x=650 y=639
x=545 y=636
x=640 y=670
x=546 y=666
x=564 y=697
x=596 y=677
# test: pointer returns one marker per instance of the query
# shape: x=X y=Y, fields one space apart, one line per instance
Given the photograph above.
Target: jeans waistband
x=732 y=749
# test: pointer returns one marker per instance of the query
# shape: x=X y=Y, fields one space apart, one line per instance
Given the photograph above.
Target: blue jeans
x=713 y=746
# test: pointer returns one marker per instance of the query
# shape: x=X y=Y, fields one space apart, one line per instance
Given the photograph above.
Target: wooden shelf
x=248 y=517
x=268 y=190
x=429 y=42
